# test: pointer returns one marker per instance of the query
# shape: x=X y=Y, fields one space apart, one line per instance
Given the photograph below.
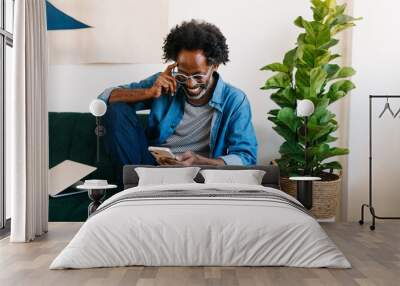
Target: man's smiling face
x=195 y=63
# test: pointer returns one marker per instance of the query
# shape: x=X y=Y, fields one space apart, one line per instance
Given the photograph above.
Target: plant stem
x=305 y=145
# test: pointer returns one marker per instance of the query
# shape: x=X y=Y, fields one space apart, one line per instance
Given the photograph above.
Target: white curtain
x=26 y=124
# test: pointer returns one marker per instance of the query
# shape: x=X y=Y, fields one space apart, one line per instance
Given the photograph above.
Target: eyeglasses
x=198 y=78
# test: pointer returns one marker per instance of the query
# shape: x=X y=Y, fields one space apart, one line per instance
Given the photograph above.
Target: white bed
x=245 y=225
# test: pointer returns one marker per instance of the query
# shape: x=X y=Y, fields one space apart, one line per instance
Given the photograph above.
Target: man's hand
x=167 y=161
x=165 y=83
x=190 y=158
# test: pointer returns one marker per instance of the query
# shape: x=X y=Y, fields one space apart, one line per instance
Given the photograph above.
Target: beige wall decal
x=122 y=31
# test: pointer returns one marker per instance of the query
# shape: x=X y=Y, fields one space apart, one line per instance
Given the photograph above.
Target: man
x=202 y=119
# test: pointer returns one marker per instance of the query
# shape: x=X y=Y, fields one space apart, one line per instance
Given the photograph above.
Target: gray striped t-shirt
x=193 y=131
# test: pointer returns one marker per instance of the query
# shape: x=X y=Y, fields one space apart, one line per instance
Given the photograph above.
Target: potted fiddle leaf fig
x=309 y=71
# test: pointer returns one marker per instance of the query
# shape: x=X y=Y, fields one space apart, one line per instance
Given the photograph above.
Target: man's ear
x=214 y=68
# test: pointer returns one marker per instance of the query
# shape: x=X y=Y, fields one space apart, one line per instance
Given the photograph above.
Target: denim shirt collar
x=217 y=99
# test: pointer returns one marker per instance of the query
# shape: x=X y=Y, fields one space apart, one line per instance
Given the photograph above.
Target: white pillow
x=163 y=176
x=248 y=177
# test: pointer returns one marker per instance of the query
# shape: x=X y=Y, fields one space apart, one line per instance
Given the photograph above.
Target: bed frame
x=270 y=179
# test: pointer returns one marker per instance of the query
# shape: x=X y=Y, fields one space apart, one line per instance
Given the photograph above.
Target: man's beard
x=203 y=90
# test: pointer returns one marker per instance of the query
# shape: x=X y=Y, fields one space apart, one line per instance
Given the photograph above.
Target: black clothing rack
x=370 y=205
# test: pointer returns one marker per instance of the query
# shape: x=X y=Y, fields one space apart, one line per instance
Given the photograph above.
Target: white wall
x=258 y=32
x=376 y=57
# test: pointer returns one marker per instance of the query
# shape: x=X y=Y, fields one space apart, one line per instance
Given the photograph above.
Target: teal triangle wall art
x=58 y=20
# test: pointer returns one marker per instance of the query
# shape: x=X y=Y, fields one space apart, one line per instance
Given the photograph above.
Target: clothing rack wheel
x=369 y=205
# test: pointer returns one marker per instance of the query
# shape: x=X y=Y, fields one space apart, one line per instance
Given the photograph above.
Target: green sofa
x=72 y=137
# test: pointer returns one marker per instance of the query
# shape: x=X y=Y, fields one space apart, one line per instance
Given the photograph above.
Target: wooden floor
x=375 y=257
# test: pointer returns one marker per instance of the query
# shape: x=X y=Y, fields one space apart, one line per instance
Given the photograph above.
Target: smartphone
x=161 y=152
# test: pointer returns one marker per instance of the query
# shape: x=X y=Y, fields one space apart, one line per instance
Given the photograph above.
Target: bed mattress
x=201 y=225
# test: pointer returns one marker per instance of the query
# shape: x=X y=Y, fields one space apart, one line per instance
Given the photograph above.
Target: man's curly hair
x=196 y=35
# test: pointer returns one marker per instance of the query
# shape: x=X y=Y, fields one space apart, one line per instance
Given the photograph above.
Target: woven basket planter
x=325 y=194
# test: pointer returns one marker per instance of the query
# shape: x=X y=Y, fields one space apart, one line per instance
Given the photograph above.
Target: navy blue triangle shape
x=58 y=20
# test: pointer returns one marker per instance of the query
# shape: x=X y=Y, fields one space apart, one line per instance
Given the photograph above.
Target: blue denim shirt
x=232 y=136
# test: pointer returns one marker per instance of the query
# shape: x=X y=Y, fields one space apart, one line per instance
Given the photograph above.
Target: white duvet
x=204 y=231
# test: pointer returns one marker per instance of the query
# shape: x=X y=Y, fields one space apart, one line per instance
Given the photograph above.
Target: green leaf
x=322 y=59
x=317 y=34
x=274 y=120
x=344 y=72
x=279 y=100
x=340 y=9
x=309 y=27
x=323 y=37
x=306 y=55
x=284 y=97
x=330 y=139
x=318 y=150
x=331 y=4
x=299 y=22
x=321 y=116
x=301 y=39
x=286 y=133
x=331 y=43
x=334 y=56
x=318 y=131
x=317 y=79
x=309 y=85
x=288 y=166
x=339 y=28
x=280 y=80
x=317 y=3
x=276 y=67
x=322 y=104
x=312 y=56
x=323 y=152
x=320 y=123
x=335 y=152
x=344 y=19
x=295 y=151
x=289 y=95
x=319 y=13
x=274 y=112
x=339 y=89
x=333 y=121
x=335 y=165
x=289 y=58
x=288 y=117
x=302 y=77
x=324 y=139
x=331 y=70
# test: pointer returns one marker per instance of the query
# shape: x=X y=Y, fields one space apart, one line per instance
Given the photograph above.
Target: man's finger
x=167 y=87
x=172 y=79
x=165 y=161
x=169 y=68
x=182 y=157
x=187 y=162
x=171 y=161
x=168 y=84
x=159 y=91
x=159 y=161
x=186 y=155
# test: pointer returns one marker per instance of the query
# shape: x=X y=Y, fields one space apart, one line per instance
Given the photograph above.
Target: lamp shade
x=97 y=107
x=305 y=107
